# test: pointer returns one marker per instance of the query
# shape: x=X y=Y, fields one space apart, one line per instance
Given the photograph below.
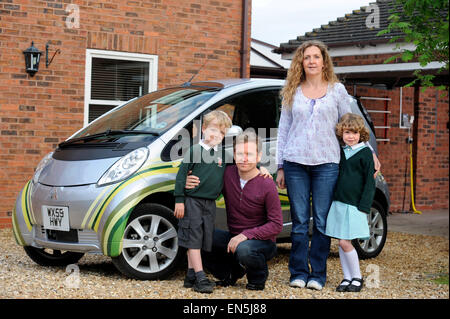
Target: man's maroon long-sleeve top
x=255 y=210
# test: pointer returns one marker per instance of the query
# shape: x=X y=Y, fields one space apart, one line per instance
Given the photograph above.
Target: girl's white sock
x=345 y=267
x=353 y=265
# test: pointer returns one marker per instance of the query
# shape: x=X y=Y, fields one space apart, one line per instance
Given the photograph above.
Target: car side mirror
x=234 y=130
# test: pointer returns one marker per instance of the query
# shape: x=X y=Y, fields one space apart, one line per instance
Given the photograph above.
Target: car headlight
x=42 y=164
x=124 y=167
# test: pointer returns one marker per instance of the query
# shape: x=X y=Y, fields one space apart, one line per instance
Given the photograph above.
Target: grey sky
x=277 y=21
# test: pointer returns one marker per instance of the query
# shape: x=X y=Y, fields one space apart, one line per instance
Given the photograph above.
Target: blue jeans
x=303 y=181
x=252 y=254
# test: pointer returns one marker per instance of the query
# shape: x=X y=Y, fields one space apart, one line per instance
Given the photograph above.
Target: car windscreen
x=153 y=113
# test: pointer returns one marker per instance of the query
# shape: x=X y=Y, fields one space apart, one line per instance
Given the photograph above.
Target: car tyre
x=150 y=245
x=377 y=220
x=49 y=257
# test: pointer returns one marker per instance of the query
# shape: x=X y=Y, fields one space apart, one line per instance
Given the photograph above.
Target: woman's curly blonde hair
x=296 y=73
x=354 y=123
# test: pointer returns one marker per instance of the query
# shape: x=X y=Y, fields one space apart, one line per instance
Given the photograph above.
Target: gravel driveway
x=406 y=268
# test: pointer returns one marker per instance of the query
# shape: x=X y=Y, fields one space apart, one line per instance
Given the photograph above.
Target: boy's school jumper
x=354 y=193
x=208 y=164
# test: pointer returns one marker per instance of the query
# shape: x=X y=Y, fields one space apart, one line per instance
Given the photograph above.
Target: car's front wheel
x=150 y=244
x=377 y=221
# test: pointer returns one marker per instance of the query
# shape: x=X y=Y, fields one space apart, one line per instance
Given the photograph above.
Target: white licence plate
x=56 y=217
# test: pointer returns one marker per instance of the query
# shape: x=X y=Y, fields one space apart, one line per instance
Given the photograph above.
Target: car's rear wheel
x=150 y=244
x=377 y=221
x=52 y=257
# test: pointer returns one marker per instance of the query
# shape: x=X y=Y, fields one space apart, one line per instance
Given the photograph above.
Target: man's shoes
x=312 y=284
x=236 y=274
x=204 y=286
x=251 y=286
x=355 y=288
x=297 y=283
x=226 y=282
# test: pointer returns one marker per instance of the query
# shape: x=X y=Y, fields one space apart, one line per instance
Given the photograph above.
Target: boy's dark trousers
x=250 y=257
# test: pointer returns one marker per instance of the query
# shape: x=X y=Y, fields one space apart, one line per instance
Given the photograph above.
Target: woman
x=308 y=156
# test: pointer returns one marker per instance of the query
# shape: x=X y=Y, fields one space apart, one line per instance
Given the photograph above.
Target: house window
x=113 y=78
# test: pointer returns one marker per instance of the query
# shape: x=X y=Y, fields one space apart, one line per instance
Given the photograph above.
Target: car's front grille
x=82 y=236
x=70 y=236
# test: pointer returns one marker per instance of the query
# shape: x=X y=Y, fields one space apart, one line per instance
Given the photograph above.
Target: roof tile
x=351 y=28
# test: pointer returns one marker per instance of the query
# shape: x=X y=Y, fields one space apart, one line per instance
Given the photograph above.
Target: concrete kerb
x=431 y=222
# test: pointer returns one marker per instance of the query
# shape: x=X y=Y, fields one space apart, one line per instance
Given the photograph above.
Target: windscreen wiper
x=106 y=133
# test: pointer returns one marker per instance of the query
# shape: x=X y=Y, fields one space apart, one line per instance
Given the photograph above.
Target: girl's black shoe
x=354 y=288
x=343 y=287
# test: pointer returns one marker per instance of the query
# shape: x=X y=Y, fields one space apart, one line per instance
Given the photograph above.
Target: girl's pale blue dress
x=345 y=221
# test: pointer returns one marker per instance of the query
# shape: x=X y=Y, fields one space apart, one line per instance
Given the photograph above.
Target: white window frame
x=116 y=55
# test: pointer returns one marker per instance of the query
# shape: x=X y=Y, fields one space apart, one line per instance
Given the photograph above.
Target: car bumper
x=82 y=203
x=104 y=210
x=86 y=241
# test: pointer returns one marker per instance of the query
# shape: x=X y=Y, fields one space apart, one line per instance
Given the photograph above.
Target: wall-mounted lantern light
x=32 y=58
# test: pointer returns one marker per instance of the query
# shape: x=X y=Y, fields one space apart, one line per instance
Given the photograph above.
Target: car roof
x=226 y=83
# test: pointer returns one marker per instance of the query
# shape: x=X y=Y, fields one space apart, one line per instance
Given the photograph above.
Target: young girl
x=353 y=197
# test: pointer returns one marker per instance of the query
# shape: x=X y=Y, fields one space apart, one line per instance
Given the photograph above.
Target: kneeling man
x=254 y=219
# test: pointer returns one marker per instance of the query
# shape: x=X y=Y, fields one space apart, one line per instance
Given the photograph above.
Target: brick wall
x=36 y=113
x=432 y=174
x=431 y=146
x=362 y=59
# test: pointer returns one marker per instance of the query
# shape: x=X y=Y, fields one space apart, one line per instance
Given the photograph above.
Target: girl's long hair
x=296 y=73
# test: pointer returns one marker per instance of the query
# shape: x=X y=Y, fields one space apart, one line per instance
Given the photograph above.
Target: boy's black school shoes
x=189 y=282
x=204 y=286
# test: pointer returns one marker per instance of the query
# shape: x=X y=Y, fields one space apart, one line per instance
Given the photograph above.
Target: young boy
x=196 y=208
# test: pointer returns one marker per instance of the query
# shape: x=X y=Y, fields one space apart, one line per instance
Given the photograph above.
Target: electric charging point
x=407 y=122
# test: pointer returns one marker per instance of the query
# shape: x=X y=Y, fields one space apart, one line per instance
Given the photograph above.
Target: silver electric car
x=108 y=189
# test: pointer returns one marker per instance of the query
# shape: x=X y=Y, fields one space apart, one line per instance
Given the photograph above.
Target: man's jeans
x=303 y=181
x=251 y=254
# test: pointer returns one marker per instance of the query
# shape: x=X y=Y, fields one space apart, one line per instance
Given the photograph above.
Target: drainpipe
x=244 y=50
x=415 y=133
